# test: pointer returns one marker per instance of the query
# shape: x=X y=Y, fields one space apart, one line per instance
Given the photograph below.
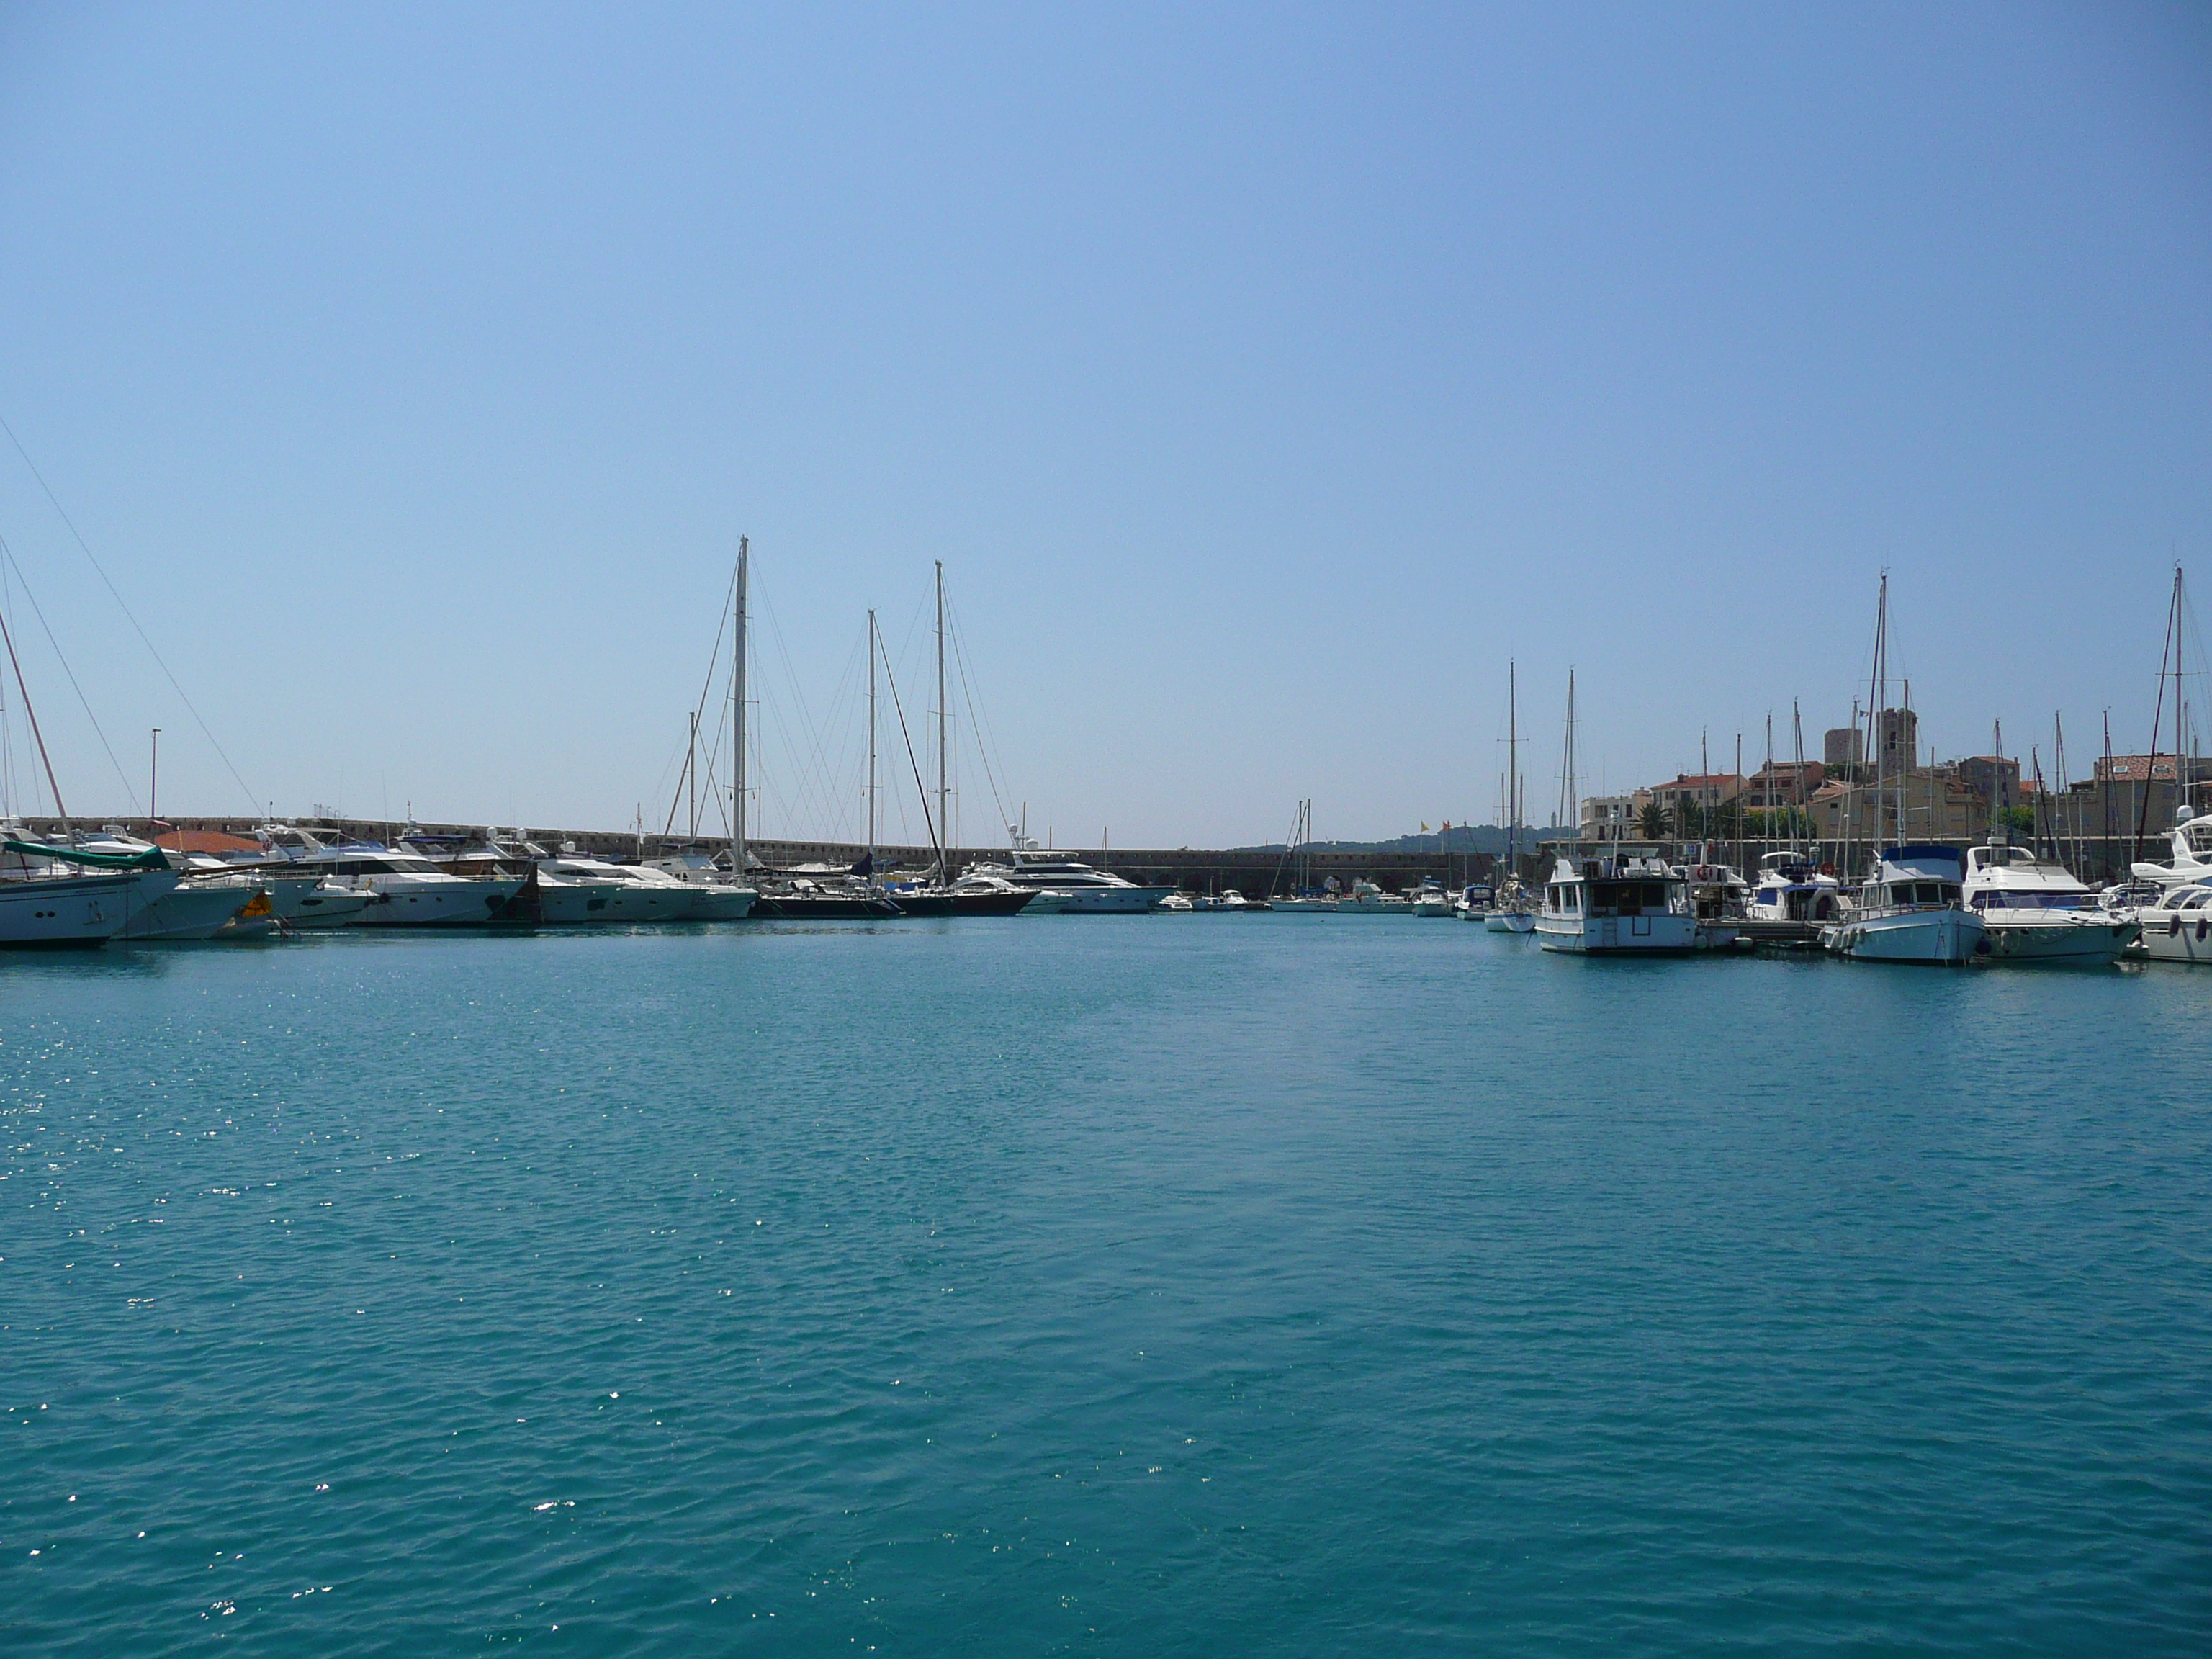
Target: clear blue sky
x=1266 y=378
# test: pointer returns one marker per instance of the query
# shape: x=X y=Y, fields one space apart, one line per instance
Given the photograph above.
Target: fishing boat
x=2036 y=911
x=2179 y=928
x=1622 y=904
x=1911 y=910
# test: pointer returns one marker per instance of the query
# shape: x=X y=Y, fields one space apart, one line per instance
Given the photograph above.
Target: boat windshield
x=2029 y=901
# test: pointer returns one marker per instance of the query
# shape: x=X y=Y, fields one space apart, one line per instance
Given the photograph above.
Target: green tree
x=1653 y=821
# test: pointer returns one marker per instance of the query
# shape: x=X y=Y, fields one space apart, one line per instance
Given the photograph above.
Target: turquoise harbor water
x=1172 y=1285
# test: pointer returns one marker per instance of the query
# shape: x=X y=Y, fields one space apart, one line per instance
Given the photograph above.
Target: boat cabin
x=1914 y=878
x=1617 y=884
x=2003 y=877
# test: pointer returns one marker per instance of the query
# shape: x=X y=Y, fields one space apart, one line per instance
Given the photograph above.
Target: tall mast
x=944 y=823
x=1877 y=695
x=871 y=745
x=1512 y=768
x=1804 y=795
x=738 y=722
x=32 y=715
x=1569 y=807
x=2172 y=642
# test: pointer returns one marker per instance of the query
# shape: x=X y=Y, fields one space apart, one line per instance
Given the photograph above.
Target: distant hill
x=1459 y=838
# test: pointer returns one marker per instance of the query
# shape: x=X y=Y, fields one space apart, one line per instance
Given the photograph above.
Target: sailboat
x=2190 y=840
x=1912 y=908
x=977 y=893
x=1512 y=908
x=791 y=896
x=64 y=896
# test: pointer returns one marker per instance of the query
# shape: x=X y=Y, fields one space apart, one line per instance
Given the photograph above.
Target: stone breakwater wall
x=1255 y=871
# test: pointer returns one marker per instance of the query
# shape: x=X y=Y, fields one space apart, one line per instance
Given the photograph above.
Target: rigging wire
x=252 y=800
x=986 y=739
x=900 y=710
x=7 y=553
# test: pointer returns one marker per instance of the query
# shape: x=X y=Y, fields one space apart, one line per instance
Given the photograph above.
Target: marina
x=1301 y=833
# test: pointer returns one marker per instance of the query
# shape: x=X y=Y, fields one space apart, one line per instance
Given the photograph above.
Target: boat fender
x=1981 y=946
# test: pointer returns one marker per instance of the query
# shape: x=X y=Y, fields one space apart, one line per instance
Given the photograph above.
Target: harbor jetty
x=1254 y=871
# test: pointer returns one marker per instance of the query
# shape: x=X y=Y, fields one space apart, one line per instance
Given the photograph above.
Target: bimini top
x=1929 y=860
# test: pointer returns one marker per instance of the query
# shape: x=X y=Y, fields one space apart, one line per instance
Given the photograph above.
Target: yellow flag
x=1424 y=828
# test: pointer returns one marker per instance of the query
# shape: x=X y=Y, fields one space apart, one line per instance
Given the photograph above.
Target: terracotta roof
x=205 y=841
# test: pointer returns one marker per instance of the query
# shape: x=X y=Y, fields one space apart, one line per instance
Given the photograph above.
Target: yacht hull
x=722 y=903
x=1094 y=901
x=2090 y=940
x=183 y=915
x=1667 y=935
x=1945 y=938
x=317 y=905
x=1510 y=922
x=962 y=904
x=455 y=902
x=581 y=905
x=2183 y=938
x=821 y=907
x=73 y=913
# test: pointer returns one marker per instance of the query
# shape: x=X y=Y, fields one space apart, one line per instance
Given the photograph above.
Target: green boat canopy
x=151 y=859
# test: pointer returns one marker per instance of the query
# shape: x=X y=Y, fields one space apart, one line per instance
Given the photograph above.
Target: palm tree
x=1653 y=821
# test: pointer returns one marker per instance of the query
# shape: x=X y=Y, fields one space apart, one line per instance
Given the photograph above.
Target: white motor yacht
x=2035 y=911
x=1431 y=899
x=401 y=889
x=1066 y=886
x=2179 y=928
x=188 y=909
x=1790 y=888
x=2190 y=842
x=1911 y=910
x=1369 y=900
x=82 y=903
x=725 y=898
x=1621 y=904
x=1178 y=903
x=317 y=901
x=645 y=892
